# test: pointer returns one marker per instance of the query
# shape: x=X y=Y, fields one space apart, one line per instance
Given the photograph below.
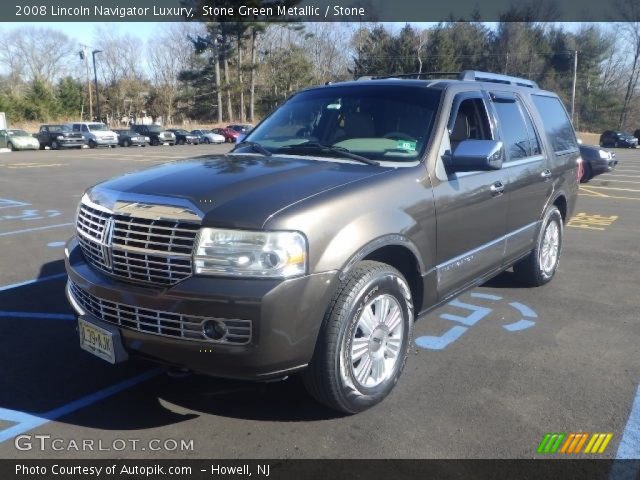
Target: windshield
x=97 y=127
x=154 y=128
x=380 y=122
x=18 y=133
x=59 y=128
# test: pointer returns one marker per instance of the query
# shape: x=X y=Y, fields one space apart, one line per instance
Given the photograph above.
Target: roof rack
x=474 y=75
x=417 y=75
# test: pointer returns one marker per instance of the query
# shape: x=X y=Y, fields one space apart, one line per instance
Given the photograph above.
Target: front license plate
x=96 y=340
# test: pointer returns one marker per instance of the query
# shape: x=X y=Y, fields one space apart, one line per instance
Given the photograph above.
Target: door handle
x=546 y=173
x=497 y=189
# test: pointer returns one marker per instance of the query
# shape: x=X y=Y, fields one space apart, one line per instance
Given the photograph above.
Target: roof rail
x=417 y=75
x=475 y=75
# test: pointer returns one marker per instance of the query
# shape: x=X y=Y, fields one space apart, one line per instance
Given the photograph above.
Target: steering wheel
x=399 y=136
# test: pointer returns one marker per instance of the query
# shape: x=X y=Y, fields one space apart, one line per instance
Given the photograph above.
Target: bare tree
x=630 y=31
x=34 y=53
x=169 y=53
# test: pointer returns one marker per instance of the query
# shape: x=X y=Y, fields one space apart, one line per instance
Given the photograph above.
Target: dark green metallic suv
x=312 y=247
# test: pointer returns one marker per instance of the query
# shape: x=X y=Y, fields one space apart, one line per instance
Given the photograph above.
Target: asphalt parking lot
x=488 y=376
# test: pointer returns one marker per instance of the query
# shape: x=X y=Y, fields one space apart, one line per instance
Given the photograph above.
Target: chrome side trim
x=460 y=269
x=521 y=239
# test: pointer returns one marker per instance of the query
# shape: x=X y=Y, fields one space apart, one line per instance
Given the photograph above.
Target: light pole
x=95 y=79
x=85 y=58
x=573 y=90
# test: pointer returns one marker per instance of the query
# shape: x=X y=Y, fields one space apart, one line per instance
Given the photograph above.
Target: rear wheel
x=11 y=146
x=541 y=264
x=363 y=344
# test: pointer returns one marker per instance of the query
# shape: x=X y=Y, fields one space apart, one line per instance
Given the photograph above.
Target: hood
x=104 y=133
x=23 y=140
x=237 y=191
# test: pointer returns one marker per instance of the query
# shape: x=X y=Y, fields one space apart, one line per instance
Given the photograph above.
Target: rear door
x=527 y=168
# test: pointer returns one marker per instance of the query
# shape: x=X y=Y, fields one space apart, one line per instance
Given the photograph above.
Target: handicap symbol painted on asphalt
x=477 y=313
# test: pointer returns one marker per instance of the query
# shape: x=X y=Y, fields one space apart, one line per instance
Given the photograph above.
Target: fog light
x=214 y=329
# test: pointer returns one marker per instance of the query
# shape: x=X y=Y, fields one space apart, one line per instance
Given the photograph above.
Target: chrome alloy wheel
x=376 y=341
x=550 y=248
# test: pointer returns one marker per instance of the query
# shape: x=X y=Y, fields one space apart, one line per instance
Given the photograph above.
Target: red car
x=229 y=134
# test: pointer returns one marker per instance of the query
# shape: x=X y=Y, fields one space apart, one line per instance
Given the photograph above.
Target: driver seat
x=460 y=131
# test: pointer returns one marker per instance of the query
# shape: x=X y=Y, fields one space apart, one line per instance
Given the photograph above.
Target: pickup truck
x=59 y=136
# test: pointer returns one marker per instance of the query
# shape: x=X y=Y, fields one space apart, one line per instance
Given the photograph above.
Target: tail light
x=580 y=171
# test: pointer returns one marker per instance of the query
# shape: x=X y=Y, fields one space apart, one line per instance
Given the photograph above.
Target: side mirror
x=476 y=155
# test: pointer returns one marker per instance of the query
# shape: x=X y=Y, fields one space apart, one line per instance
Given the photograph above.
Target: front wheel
x=541 y=264
x=11 y=147
x=54 y=145
x=363 y=344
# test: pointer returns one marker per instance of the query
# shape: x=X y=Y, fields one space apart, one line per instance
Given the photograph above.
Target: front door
x=471 y=207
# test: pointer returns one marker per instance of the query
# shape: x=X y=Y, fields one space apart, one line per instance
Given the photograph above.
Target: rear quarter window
x=556 y=123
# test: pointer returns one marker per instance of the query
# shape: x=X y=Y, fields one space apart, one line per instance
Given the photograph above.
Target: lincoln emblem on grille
x=105 y=242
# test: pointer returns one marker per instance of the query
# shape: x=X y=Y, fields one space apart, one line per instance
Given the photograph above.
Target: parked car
x=157 y=135
x=241 y=127
x=96 y=134
x=183 y=137
x=229 y=134
x=18 y=140
x=208 y=136
x=313 y=251
x=637 y=133
x=617 y=139
x=595 y=161
x=128 y=138
x=59 y=136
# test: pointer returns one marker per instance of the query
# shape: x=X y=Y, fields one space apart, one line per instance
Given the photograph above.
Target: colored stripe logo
x=572 y=443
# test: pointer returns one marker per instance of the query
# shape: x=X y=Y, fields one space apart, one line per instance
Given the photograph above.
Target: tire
x=336 y=380
x=126 y=143
x=55 y=145
x=533 y=270
x=11 y=146
x=92 y=144
x=206 y=140
x=587 y=174
x=154 y=142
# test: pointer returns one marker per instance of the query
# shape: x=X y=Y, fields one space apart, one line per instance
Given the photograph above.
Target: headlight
x=604 y=154
x=238 y=253
x=60 y=137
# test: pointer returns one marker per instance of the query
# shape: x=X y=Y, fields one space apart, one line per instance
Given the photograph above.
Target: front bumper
x=71 y=142
x=286 y=317
x=105 y=141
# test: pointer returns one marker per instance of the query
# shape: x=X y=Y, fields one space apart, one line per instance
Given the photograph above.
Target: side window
x=556 y=123
x=85 y=128
x=76 y=127
x=470 y=122
x=512 y=125
x=534 y=142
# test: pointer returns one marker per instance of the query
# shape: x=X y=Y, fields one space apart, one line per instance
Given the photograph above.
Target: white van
x=96 y=134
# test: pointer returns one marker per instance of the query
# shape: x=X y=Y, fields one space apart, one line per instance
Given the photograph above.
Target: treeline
x=223 y=72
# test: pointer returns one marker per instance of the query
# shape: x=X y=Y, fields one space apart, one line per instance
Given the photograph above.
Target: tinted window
x=534 y=143
x=556 y=123
x=470 y=123
x=514 y=131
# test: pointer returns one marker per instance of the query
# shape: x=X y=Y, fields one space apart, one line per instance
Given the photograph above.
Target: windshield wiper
x=255 y=146
x=337 y=151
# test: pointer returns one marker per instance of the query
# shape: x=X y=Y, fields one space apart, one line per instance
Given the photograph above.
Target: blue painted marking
x=15 y=232
x=31 y=282
x=8 y=203
x=486 y=296
x=524 y=310
x=477 y=313
x=629 y=447
x=55 y=244
x=45 y=316
x=438 y=343
x=26 y=421
x=519 y=325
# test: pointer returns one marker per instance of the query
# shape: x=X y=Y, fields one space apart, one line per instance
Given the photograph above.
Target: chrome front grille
x=136 y=249
x=156 y=322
